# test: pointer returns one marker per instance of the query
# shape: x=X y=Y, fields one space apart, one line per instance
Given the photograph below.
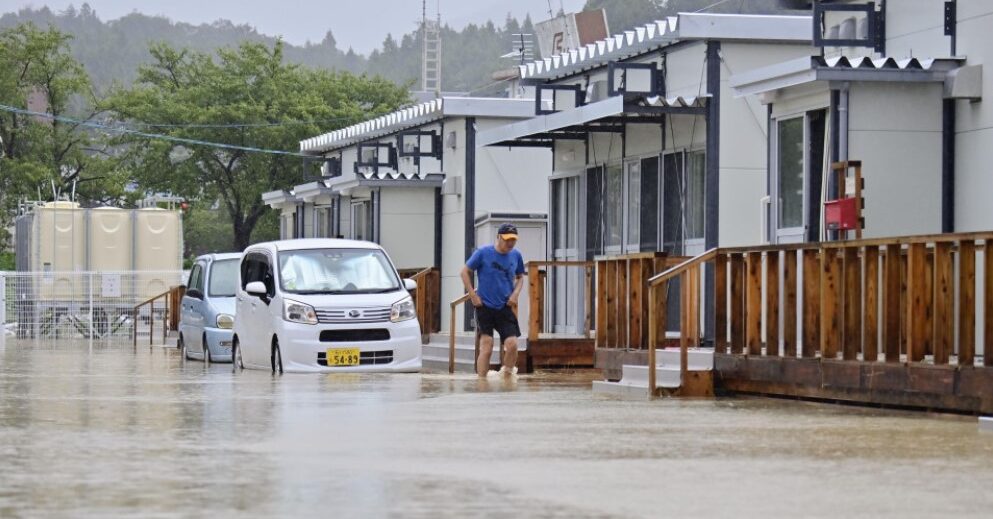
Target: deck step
x=634 y=378
x=697 y=359
x=434 y=355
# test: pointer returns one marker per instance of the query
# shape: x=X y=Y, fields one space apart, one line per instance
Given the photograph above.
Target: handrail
x=151 y=325
x=451 y=332
x=535 y=318
x=421 y=273
x=653 y=282
x=867 y=242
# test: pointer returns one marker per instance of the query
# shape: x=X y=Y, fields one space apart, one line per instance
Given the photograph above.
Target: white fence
x=83 y=305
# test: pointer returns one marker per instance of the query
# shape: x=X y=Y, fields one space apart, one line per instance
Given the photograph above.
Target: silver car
x=207 y=314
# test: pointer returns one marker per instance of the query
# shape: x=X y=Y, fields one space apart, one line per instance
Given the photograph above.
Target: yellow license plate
x=343 y=357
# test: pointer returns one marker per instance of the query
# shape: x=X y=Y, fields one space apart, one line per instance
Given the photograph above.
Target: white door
x=798 y=155
x=566 y=284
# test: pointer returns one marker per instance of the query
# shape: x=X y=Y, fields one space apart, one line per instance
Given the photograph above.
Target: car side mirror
x=256 y=288
x=194 y=293
x=409 y=284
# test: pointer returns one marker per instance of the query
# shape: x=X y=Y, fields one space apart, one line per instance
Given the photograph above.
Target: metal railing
x=77 y=305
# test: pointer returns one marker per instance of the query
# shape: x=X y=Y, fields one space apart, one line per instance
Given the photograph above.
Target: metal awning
x=607 y=116
x=311 y=190
x=841 y=68
x=431 y=180
x=279 y=198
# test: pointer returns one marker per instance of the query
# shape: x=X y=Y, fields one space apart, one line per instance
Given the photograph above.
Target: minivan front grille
x=366 y=358
x=374 y=334
x=353 y=315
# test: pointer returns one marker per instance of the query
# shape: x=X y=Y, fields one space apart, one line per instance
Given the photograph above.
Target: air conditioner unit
x=452 y=186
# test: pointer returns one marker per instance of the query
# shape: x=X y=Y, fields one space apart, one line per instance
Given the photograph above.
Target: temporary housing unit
x=415 y=182
x=651 y=152
x=897 y=87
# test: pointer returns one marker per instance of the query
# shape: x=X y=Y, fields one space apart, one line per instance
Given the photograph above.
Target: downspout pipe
x=712 y=182
x=469 y=197
x=948 y=166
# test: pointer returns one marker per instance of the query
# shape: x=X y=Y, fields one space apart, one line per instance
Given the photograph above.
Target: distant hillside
x=112 y=50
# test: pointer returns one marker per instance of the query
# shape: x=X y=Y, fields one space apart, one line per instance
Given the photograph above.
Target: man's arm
x=467 y=283
x=515 y=295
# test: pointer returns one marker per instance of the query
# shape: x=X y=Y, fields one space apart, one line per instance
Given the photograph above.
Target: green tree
x=47 y=153
x=248 y=97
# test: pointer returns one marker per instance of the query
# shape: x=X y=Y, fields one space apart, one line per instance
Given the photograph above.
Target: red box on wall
x=841 y=214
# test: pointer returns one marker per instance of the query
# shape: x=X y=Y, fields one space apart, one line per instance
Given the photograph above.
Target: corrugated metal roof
x=684 y=26
x=417 y=115
x=678 y=102
x=841 y=68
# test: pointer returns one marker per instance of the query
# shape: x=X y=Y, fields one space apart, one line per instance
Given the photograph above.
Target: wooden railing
x=172 y=299
x=451 y=332
x=689 y=310
x=622 y=308
x=426 y=301
x=893 y=299
x=537 y=293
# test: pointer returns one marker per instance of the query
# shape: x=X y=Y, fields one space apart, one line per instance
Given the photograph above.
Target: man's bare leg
x=485 y=351
x=510 y=353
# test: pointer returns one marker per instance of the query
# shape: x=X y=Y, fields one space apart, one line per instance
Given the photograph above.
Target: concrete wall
x=895 y=130
x=915 y=28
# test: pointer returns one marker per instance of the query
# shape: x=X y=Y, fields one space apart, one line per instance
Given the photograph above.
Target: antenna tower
x=431 y=57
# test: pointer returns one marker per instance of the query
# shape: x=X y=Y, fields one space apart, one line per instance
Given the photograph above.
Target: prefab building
x=415 y=182
x=651 y=152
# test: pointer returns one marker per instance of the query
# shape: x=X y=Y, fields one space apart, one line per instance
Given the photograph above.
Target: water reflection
x=115 y=430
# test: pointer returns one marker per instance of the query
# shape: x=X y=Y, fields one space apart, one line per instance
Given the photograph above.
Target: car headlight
x=225 y=321
x=295 y=312
x=402 y=310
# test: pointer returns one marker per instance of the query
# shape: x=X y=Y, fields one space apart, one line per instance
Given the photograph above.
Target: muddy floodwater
x=110 y=431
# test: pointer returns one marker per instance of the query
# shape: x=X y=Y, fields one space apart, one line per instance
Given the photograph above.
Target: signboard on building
x=562 y=33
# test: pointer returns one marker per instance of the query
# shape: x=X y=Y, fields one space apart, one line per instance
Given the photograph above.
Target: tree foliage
x=44 y=154
x=268 y=103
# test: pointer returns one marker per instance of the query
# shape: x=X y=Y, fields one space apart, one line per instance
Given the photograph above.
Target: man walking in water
x=500 y=269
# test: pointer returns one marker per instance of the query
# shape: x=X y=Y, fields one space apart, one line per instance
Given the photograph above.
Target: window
x=613 y=208
x=633 y=204
x=790 y=181
x=336 y=271
x=594 y=212
x=321 y=221
x=256 y=267
x=672 y=203
x=223 y=278
x=196 y=273
x=362 y=220
x=648 y=226
x=695 y=201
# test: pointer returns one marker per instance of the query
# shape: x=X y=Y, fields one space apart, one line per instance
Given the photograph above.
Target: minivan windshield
x=336 y=271
x=223 y=278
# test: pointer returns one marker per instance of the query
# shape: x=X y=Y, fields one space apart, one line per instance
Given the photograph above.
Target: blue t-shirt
x=496 y=274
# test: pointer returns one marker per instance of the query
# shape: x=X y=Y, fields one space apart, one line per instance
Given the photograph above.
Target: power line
x=128 y=131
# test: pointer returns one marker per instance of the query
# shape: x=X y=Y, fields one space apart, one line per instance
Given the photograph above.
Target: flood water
x=118 y=432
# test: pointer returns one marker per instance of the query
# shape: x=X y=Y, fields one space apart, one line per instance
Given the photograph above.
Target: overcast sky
x=361 y=24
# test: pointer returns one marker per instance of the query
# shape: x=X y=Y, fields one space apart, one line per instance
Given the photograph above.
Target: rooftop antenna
x=431 y=56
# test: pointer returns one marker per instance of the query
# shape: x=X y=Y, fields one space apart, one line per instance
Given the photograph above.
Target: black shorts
x=503 y=321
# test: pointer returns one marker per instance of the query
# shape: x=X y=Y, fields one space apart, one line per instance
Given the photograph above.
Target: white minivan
x=324 y=305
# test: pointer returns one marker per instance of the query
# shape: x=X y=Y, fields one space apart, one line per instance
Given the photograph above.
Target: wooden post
x=967 y=303
x=753 y=304
x=611 y=303
x=721 y=303
x=944 y=302
x=830 y=296
x=588 y=299
x=601 y=304
x=892 y=288
x=772 y=303
x=451 y=342
x=621 y=299
x=737 y=303
x=870 y=342
x=988 y=298
x=684 y=304
x=534 y=305
x=652 y=342
x=635 y=300
x=852 y=290
x=789 y=303
x=811 y=303
x=916 y=302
